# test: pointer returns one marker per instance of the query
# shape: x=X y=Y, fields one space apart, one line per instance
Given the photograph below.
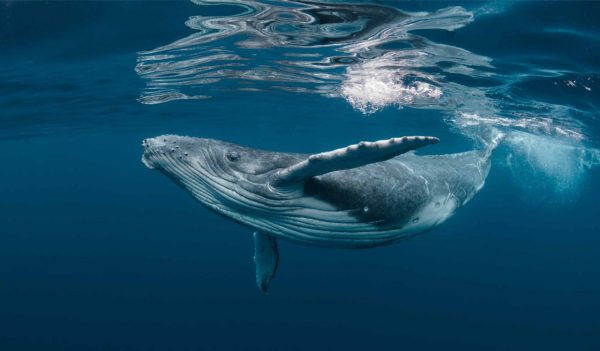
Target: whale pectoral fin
x=351 y=156
x=266 y=258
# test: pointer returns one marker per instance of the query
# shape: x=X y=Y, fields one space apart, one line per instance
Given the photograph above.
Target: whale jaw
x=153 y=149
x=147 y=162
x=146 y=158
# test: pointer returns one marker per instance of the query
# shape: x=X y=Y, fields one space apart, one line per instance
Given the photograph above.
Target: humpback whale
x=364 y=195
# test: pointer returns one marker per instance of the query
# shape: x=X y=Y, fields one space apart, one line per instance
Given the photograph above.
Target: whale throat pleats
x=348 y=157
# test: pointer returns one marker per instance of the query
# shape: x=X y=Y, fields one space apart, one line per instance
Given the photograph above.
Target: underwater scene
x=299 y=175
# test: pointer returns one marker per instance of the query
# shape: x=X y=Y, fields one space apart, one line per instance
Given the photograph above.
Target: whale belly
x=373 y=205
x=431 y=215
x=385 y=202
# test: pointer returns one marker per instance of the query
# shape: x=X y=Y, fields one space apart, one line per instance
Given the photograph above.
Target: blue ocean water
x=99 y=253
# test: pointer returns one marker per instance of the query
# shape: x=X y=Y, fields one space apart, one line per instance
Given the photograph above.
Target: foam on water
x=371 y=87
x=548 y=169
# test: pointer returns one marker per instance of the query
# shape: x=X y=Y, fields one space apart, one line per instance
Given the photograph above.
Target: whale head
x=226 y=177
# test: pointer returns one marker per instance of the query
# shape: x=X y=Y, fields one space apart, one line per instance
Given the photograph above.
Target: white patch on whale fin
x=348 y=157
x=266 y=258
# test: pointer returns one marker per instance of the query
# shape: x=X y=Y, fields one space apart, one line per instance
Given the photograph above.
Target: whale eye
x=232 y=156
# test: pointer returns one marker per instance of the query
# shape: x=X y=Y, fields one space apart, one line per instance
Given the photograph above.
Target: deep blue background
x=97 y=252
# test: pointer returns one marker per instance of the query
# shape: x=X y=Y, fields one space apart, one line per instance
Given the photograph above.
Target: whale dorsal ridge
x=348 y=157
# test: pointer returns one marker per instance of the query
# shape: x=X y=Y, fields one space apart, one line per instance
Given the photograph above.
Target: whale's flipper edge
x=348 y=157
x=266 y=259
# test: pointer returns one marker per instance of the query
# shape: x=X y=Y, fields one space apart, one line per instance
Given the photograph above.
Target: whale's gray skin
x=364 y=195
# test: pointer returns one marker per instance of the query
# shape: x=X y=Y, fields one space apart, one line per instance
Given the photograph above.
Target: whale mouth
x=167 y=151
x=145 y=157
x=147 y=162
x=150 y=146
